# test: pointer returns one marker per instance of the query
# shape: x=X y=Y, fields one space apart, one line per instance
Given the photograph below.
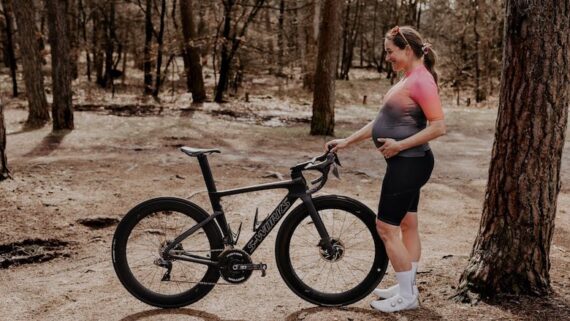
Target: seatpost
x=207 y=173
x=215 y=201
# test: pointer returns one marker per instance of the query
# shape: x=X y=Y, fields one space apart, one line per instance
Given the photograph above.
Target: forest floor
x=117 y=157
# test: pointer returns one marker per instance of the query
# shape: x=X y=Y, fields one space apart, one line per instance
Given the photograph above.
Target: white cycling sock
x=405 y=281
x=415 y=271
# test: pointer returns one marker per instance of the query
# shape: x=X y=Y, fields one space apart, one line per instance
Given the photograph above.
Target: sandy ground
x=109 y=163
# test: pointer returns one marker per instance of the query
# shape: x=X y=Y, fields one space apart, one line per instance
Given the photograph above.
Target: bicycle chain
x=206 y=283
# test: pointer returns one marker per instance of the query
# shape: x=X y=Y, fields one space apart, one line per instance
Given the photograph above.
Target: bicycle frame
x=297 y=189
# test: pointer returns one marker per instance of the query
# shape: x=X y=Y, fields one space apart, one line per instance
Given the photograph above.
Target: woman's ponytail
x=430 y=58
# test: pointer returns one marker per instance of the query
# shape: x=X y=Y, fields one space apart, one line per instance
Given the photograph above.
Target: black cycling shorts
x=401 y=186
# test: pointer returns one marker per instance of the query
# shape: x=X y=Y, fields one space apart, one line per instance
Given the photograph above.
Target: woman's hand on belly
x=390 y=147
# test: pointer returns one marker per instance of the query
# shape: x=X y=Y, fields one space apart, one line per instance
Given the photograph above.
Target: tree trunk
x=361 y=35
x=4 y=172
x=96 y=43
x=83 y=26
x=479 y=97
x=9 y=45
x=311 y=35
x=73 y=24
x=147 y=65
x=31 y=62
x=350 y=35
x=372 y=49
x=511 y=252
x=231 y=43
x=62 y=109
x=225 y=59
x=418 y=16
x=194 y=76
x=281 y=38
x=345 y=39
x=322 y=122
x=110 y=39
x=160 y=41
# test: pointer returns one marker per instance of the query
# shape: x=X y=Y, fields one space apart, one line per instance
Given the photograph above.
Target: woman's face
x=399 y=58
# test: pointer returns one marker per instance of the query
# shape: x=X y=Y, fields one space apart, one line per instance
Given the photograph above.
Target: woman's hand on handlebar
x=336 y=144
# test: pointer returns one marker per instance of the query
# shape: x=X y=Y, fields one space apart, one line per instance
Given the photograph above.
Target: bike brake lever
x=335 y=171
x=336 y=160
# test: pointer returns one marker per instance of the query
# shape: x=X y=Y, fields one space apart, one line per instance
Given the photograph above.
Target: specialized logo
x=268 y=225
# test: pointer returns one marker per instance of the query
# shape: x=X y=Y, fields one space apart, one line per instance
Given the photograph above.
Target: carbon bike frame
x=296 y=187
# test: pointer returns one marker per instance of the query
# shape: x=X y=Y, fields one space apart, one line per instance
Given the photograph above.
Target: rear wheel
x=345 y=276
x=149 y=276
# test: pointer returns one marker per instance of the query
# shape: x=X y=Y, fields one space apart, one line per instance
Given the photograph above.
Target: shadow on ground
x=360 y=314
x=50 y=143
x=166 y=314
x=551 y=307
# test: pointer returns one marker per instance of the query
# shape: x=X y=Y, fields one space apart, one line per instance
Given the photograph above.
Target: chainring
x=227 y=259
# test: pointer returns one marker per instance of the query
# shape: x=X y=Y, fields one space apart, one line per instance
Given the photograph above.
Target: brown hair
x=408 y=36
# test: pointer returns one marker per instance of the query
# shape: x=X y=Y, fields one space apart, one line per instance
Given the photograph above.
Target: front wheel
x=150 y=276
x=350 y=273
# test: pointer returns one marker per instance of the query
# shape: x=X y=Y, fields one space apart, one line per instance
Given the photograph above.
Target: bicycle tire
x=128 y=230
x=345 y=208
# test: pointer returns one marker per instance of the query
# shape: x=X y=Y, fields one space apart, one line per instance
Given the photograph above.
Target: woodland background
x=131 y=81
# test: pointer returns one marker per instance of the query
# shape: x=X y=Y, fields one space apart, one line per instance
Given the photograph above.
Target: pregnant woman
x=410 y=117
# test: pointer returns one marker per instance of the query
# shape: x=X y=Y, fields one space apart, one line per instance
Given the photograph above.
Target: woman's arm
x=358 y=136
x=434 y=130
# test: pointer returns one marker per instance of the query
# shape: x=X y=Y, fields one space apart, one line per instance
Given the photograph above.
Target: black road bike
x=168 y=252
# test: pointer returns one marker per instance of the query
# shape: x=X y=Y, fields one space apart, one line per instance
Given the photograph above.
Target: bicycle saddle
x=194 y=152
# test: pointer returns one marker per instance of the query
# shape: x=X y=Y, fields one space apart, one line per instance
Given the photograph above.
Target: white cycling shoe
x=392 y=291
x=396 y=303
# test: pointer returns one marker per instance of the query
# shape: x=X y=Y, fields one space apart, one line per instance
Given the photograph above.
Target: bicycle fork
x=325 y=242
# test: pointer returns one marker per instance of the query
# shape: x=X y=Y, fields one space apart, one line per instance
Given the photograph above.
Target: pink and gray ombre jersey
x=407 y=107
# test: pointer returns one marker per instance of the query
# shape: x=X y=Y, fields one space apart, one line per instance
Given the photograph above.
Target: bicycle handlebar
x=321 y=164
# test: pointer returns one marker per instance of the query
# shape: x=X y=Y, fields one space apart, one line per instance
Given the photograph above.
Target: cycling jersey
x=407 y=107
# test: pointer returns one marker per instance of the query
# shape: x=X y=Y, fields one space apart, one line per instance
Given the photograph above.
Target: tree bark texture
x=511 y=251
x=10 y=55
x=4 y=172
x=194 y=76
x=322 y=122
x=62 y=108
x=31 y=64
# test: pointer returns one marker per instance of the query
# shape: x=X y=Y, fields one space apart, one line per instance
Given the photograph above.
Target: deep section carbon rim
x=345 y=268
x=143 y=253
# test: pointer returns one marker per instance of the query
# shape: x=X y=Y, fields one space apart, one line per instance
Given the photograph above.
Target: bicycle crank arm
x=250 y=267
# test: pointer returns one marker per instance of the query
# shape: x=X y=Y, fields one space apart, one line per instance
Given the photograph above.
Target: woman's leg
x=401 y=262
x=411 y=236
x=397 y=252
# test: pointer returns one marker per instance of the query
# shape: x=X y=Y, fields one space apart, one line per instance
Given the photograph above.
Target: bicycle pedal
x=241 y=267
